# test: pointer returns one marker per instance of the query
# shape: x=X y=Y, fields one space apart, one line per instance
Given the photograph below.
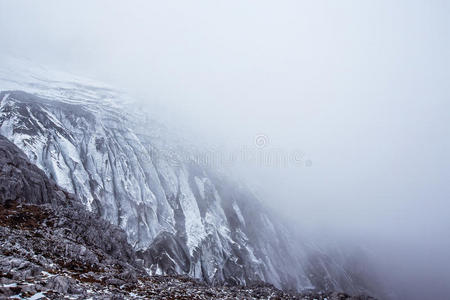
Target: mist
x=350 y=98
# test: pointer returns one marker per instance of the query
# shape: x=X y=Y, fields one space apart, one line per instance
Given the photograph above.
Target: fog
x=353 y=97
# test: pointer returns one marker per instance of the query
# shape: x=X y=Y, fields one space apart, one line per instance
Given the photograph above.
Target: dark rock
x=62 y=284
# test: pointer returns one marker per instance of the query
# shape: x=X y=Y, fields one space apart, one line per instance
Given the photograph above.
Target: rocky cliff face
x=181 y=217
x=51 y=247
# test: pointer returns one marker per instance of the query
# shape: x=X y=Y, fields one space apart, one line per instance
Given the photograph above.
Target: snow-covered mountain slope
x=181 y=217
x=51 y=247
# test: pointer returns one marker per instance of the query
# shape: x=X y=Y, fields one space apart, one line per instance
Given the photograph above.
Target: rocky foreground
x=47 y=254
x=52 y=248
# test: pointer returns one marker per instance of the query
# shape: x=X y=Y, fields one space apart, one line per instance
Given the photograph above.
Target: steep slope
x=52 y=248
x=48 y=238
x=183 y=218
x=180 y=216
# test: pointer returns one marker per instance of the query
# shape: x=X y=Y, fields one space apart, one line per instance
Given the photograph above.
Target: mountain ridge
x=181 y=217
x=53 y=248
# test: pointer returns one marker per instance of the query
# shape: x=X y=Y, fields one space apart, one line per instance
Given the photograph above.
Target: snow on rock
x=181 y=217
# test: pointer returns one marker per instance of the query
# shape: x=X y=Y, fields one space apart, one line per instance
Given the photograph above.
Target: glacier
x=181 y=217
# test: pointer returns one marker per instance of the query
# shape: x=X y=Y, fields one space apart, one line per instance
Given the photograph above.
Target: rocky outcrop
x=23 y=182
